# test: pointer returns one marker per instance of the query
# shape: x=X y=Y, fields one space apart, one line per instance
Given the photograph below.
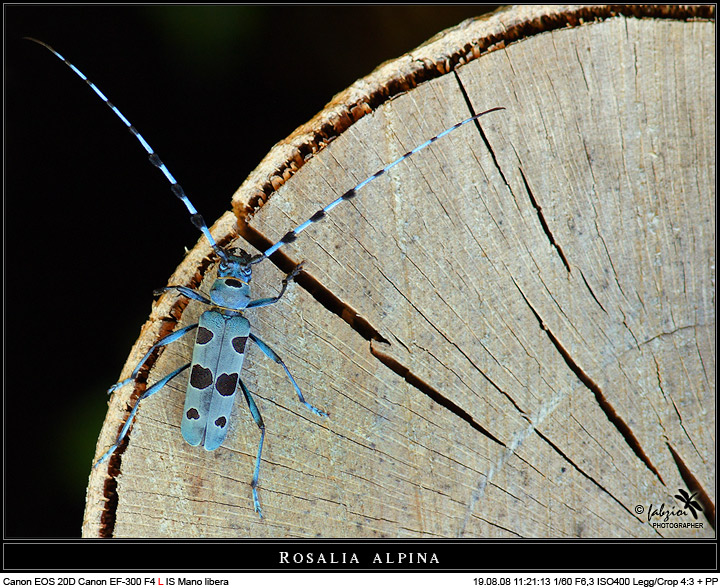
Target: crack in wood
x=582 y=275
x=479 y=128
x=415 y=381
x=545 y=226
x=584 y=474
x=533 y=201
x=622 y=427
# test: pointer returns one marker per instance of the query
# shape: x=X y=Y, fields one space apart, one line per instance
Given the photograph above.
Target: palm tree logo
x=688 y=502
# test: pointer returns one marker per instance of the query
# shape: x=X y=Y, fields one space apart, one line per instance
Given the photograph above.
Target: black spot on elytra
x=226 y=384
x=221 y=422
x=193 y=414
x=238 y=344
x=203 y=336
x=233 y=283
x=200 y=377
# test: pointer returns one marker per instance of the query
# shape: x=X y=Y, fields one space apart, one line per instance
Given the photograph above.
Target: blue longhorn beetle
x=223 y=330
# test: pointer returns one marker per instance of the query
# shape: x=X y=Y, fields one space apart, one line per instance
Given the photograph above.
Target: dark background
x=91 y=228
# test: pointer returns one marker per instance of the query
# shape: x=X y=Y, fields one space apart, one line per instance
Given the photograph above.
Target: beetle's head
x=232 y=285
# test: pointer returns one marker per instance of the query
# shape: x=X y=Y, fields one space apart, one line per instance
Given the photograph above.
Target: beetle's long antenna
x=320 y=214
x=176 y=188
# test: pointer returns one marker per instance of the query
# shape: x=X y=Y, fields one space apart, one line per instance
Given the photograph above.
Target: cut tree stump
x=513 y=330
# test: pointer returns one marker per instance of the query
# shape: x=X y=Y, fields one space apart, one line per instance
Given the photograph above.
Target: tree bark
x=512 y=331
